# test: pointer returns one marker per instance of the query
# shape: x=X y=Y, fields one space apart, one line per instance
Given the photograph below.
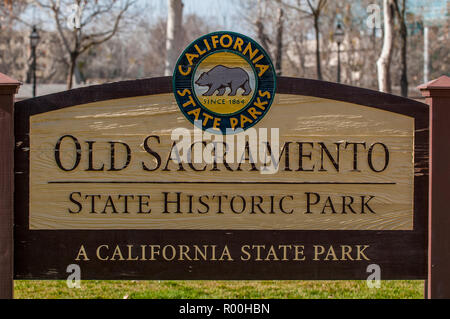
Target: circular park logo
x=224 y=82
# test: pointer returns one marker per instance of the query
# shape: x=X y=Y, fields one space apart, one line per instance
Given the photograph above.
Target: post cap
x=8 y=85
x=437 y=86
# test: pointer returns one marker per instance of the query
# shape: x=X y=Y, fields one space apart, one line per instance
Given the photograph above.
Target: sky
x=226 y=14
x=433 y=11
x=223 y=12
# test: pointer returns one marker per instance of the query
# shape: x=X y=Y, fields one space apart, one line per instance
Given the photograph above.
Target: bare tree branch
x=83 y=37
x=108 y=34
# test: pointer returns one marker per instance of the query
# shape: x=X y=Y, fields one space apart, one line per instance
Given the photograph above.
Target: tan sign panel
x=106 y=165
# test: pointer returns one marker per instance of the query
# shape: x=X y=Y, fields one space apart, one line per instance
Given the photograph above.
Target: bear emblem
x=220 y=77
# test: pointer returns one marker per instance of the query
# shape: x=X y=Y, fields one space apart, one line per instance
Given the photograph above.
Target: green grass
x=120 y=289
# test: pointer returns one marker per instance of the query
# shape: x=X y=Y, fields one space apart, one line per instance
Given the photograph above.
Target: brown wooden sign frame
x=8 y=88
x=45 y=254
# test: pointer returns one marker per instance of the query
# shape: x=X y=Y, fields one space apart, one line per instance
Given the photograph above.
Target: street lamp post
x=34 y=39
x=339 y=38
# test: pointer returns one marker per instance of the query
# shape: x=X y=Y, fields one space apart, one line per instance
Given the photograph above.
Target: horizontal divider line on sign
x=220 y=182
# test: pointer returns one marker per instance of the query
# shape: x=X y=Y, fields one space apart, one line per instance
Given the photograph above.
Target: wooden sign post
x=8 y=87
x=437 y=94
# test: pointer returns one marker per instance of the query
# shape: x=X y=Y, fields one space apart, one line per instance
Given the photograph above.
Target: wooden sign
x=108 y=165
x=95 y=186
x=222 y=171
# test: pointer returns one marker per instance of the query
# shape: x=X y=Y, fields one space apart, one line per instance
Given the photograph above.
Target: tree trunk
x=384 y=61
x=73 y=61
x=262 y=37
x=404 y=75
x=404 y=47
x=316 y=29
x=173 y=37
x=279 y=48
